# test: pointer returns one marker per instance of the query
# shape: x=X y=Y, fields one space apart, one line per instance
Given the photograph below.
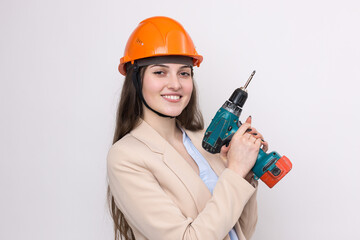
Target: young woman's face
x=167 y=88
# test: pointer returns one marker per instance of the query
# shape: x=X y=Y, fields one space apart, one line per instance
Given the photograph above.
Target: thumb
x=223 y=152
x=248 y=120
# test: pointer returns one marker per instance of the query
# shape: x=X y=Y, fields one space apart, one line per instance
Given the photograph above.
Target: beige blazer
x=162 y=197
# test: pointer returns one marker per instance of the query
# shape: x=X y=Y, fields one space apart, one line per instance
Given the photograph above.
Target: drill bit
x=248 y=81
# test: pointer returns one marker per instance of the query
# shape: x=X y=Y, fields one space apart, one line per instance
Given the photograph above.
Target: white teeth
x=172 y=97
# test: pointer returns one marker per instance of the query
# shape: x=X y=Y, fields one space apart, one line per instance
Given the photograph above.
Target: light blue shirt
x=207 y=175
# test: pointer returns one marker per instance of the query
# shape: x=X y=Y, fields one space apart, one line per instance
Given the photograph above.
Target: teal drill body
x=221 y=130
x=224 y=125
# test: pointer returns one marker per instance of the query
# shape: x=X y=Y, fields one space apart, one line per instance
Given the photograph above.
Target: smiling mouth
x=172 y=97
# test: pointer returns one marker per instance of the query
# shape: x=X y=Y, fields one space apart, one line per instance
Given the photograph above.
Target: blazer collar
x=149 y=136
x=156 y=143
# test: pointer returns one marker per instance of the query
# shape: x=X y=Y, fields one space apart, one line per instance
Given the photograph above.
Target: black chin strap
x=137 y=83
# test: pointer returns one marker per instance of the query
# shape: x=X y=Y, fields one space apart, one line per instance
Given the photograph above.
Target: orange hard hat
x=158 y=36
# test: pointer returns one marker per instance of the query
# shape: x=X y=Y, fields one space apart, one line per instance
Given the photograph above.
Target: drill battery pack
x=279 y=170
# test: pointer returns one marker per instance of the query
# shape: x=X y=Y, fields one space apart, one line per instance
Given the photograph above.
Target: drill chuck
x=239 y=97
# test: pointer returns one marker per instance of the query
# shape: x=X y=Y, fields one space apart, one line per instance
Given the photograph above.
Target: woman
x=162 y=184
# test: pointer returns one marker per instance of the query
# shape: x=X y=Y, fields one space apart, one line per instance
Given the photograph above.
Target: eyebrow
x=161 y=65
x=185 y=66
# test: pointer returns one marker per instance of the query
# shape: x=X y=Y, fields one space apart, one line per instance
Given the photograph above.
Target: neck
x=166 y=127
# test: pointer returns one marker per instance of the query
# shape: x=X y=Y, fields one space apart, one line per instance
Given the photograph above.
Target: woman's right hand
x=242 y=152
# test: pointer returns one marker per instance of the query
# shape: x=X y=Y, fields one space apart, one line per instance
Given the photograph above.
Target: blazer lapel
x=196 y=187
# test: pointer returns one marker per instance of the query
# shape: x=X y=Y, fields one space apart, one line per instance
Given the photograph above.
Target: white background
x=60 y=88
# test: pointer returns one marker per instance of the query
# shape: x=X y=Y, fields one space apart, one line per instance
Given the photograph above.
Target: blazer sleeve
x=148 y=208
x=249 y=215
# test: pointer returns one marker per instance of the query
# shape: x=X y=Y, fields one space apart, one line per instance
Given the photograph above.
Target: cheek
x=188 y=87
x=150 y=86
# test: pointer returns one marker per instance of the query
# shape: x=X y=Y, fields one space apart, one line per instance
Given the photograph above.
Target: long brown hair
x=129 y=111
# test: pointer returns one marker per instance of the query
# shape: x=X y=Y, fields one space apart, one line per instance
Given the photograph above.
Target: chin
x=171 y=112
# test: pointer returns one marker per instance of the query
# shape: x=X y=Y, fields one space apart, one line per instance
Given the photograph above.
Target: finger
x=243 y=128
x=223 y=152
x=258 y=142
x=265 y=146
x=254 y=131
x=247 y=136
x=252 y=139
x=224 y=149
x=248 y=130
x=248 y=120
x=258 y=135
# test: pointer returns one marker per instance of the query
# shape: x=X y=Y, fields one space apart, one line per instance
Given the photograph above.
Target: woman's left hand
x=255 y=133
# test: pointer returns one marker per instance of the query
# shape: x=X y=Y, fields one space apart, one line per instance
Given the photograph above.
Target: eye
x=185 y=74
x=158 y=72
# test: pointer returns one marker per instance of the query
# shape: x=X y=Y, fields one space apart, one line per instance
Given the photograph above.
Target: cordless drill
x=269 y=167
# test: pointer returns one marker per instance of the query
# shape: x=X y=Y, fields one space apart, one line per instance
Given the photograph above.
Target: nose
x=174 y=82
